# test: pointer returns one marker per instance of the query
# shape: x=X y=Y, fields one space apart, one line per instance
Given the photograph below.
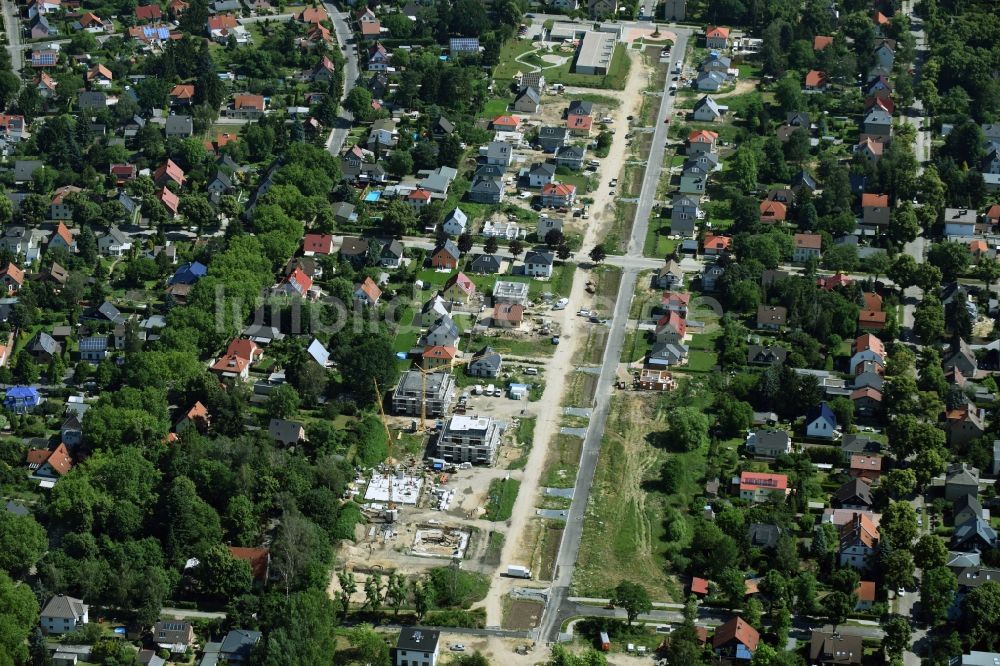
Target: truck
x=517 y=571
x=605 y=642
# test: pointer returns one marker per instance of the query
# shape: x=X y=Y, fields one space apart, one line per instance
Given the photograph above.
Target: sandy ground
x=602 y=212
x=563 y=361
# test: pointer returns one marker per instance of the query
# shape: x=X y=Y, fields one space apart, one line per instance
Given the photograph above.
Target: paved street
x=344 y=38
x=12 y=26
x=558 y=608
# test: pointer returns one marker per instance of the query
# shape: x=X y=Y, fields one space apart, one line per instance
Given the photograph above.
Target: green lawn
x=563 y=462
x=657 y=244
x=501 y=497
x=496 y=107
x=510 y=346
x=508 y=66
x=637 y=345
x=701 y=361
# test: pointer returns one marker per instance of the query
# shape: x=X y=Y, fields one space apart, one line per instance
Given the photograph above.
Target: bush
x=475 y=619
x=454 y=588
x=350 y=516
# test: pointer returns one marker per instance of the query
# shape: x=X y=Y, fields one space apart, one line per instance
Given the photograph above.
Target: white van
x=490 y=389
x=531 y=371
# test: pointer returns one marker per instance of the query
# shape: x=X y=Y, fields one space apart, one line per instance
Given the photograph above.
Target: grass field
x=616 y=239
x=562 y=462
x=512 y=346
x=624 y=532
x=637 y=345
x=496 y=107
x=500 y=502
x=580 y=390
x=657 y=244
x=507 y=66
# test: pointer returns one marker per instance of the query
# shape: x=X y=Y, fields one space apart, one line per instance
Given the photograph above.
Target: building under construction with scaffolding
x=438 y=391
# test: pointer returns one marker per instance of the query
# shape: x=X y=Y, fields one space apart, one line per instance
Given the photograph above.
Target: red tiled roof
x=440 y=352
x=994 y=212
x=171 y=171
x=866 y=590
x=675 y=298
x=249 y=102
x=703 y=136
x=301 y=279
x=99 y=70
x=244 y=348
x=869 y=341
x=558 y=189
x=231 y=363
x=312 y=15
x=875 y=200
x=717 y=242
x=168 y=199
x=509 y=312
x=579 y=122
x=755 y=480
x=815 y=78
x=64 y=233
x=866 y=462
x=183 y=91
x=717 y=31
x=833 y=281
x=773 y=210
x=371 y=28
x=222 y=22
x=14 y=272
x=808 y=241
x=462 y=281
x=820 y=42
x=506 y=121
x=674 y=321
x=736 y=629
x=148 y=12
x=419 y=194
x=257 y=558
x=370 y=289
x=872 y=301
x=318 y=243
x=699 y=585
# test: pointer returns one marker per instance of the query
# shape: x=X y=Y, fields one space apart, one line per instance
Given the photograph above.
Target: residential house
x=182 y=94
x=871 y=149
x=821 y=422
x=416 y=645
x=815 y=81
x=667 y=354
x=247 y=107
x=459 y=289
x=670 y=276
x=771 y=317
x=11 y=278
x=866 y=348
x=763 y=535
x=169 y=172
x=867 y=468
x=455 y=223
x=367 y=293
x=700 y=142
x=354 y=251
x=40 y=28
x=169 y=200
x=832 y=649
x=772 y=211
x=694 y=179
x=446 y=255
x=763 y=486
x=93 y=349
x=558 y=195
x=766 y=355
x=966 y=508
x=485 y=264
x=716 y=38
x=684 y=214
x=711 y=274
x=197 y=417
x=735 y=640
x=527 y=101
x=378 y=58
x=43 y=347
x=486 y=189
x=854 y=494
x=538 y=263
x=859 y=538
x=174 y=636
x=602 y=8
x=505 y=123
x=441 y=333
x=286 y=432
x=806 y=246
x=499 y=153
x=485 y=363
x=391 y=255
x=974 y=534
x=552 y=138
x=959 y=223
x=541 y=174
x=571 y=157
x=506 y=291
x=875 y=210
x=769 y=443
x=221 y=184
x=960 y=479
x=507 y=315
x=63 y=614
x=878 y=121
x=313 y=244
x=442 y=127
x=962 y=359
x=710 y=81
x=671 y=328
x=706 y=110
x=867 y=401
x=345 y=213
x=674 y=10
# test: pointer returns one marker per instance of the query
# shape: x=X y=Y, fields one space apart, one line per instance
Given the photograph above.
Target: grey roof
x=967 y=501
x=418 y=639
x=570 y=152
x=972 y=528
x=449 y=247
x=23 y=169
x=392 y=249
x=798 y=119
x=855 y=488
x=240 y=642
x=343 y=210
x=670 y=351
x=763 y=535
x=352 y=247
x=44 y=342
x=878 y=116
x=851 y=444
x=580 y=108
x=531 y=94
x=17 y=508
x=962 y=473
x=110 y=312
x=283 y=430
x=458 y=215
x=550 y=132
x=543 y=257
x=766 y=354
x=127 y=202
x=485 y=263
x=224 y=179
x=498 y=150
x=444 y=125
x=707 y=101
x=484 y=183
x=61 y=606
x=542 y=168
x=444 y=325
x=488 y=358
x=179 y=125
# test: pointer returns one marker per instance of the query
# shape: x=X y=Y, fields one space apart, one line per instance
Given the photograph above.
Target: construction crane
x=423 y=385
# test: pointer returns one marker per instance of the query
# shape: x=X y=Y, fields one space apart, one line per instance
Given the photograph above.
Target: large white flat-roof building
x=474 y=439
x=595 y=52
x=506 y=291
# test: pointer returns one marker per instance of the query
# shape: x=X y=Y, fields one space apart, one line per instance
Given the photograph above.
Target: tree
x=396 y=591
x=399 y=163
x=938 y=587
x=22 y=542
x=370 y=646
x=734 y=416
x=223 y=576
x=598 y=253
x=348 y=586
x=554 y=238
x=928 y=319
x=563 y=252
x=930 y=551
x=732 y=586
x=373 y=591
x=362 y=358
x=951 y=257
x=359 y=102
x=899 y=482
x=515 y=248
x=18 y=619
x=423 y=598
x=283 y=402
x=899 y=524
x=836 y=607
x=688 y=429
x=789 y=93
x=903 y=224
x=745 y=169
x=464 y=242
x=981 y=616
x=491 y=245
x=897 y=636
x=805 y=593
x=897 y=569
x=633 y=598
